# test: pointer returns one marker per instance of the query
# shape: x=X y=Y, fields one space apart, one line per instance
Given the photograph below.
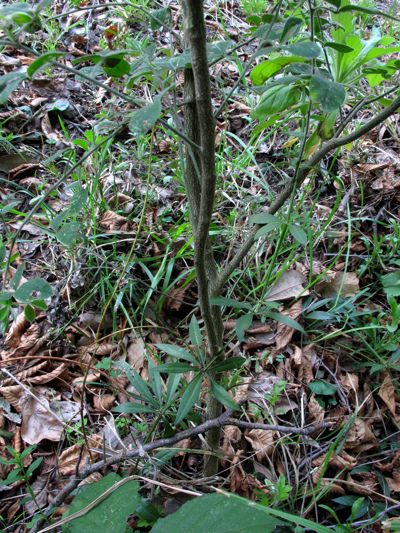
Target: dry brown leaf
x=46 y=378
x=136 y=355
x=68 y=459
x=44 y=420
x=358 y=434
x=387 y=393
x=232 y=435
x=366 y=487
x=50 y=133
x=113 y=222
x=174 y=298
x=13 y=395
x=288 y=286
x=333 y=283
x=316 y=412
x=21 y=376
x=242 y=390
x=16 y=330
x=286 y=332
x=26 y=342
x=104 y=403
x=261 y=441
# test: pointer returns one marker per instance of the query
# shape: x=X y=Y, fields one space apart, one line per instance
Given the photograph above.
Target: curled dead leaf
x=261 y=441
x=113 y=222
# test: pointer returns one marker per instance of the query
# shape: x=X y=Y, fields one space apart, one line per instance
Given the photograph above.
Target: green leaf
x=320 y=315
x=229 y=364
x=58 y=220
x=115 y=66
x=223 y=396
x=17 y=277
x=177 y=351
x=287 y=320
x=145 y=118
x=309 y=49
x=78 y=202
x=196 y=338
x=339 y=47
x=291 y=28
x=243 y=323
x=174 y=368
x=214 y=513
x=189 y=398
x=8 y=83
x=391 y=283
x=322 y=388
x=133 y=407
x=263 y=71
x=70 y=233
x=42 y=61
x=332 y=95
x=39 y=304
x=268 y=228
x=82 y=143
x=230 y=302
x=34 y=465
x=110 y=514
x=335 y=3
x=263 y=218
x=367 y=10
x=35 y=289
x=29 y=313
x=160 y=14
x=298 y=234
x=275 y=100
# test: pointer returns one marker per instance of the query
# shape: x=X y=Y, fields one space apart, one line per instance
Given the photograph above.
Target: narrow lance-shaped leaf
x=223 y=396
x=189 y=398
x=243 y=323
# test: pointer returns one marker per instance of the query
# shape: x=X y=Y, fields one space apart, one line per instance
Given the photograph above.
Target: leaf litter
x=46 y=402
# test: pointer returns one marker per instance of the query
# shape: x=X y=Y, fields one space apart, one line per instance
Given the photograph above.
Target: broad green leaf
x=339 y=47
x=230 y=302
x=35 y=289
x=133 y=407
x=263 y=71
x=39 y=304
x=82 y=143
x=223 y=396
x=287 y=320
x=115 y=66
x=58 y=220
x=229 y=364
x=215 y=513
x=275 y=100
x=196 y=338
x=42 y=61
x=174 y=368
x=391 y=283
x=78 y=202
x=161 y=15
x=189 y=398
x=335 y=3
x=70 y=233
x=309 y=49
x=29 y=313
x=177 y=351
x=263 y=218
x=291 y=28
x=110 y=514
x=243 y=323
x=144 y=119
x=268 y=228
x=17 y=277
x=330 y=94
x=298 y=234
x=322 y=388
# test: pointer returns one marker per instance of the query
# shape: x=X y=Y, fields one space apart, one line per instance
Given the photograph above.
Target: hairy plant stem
x=200 y=128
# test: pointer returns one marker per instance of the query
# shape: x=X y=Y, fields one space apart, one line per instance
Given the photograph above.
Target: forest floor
x=111 y=237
